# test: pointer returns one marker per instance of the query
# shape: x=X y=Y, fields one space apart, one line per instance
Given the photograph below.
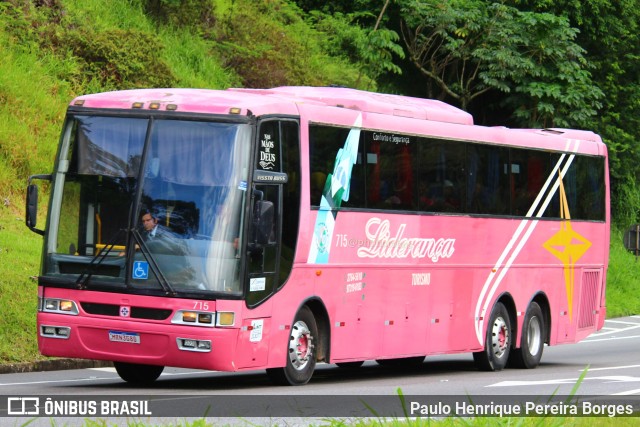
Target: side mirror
x=32 y=206
x=263 y=221
x=31 y=214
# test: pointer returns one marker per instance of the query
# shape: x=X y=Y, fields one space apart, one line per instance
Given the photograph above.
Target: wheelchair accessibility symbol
x=140 y=270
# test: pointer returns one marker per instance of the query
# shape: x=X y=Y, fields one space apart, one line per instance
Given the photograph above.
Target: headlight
x=60 y=306
x=66 y=305
x=189 y=316
x=205 y=318
x=194 y=318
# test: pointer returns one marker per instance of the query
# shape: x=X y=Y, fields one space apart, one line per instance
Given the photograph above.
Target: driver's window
x=262 y=253
x=262 y=245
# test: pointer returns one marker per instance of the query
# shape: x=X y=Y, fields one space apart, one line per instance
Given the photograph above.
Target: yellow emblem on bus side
x=568 y=246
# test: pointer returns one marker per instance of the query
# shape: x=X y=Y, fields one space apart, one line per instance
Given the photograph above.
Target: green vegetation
x=622 y=280
x=53 y=50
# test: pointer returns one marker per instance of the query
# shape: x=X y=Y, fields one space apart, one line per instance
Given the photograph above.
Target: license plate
x=128 y=337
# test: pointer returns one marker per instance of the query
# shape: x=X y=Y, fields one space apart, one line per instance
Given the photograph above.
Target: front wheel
x=301 y=355
x=135 y=373
x=497 y=344
x=532 y=341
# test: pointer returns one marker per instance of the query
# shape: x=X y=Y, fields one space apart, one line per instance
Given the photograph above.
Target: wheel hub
x=499 y=337
x=300 y=345
x=534 y=336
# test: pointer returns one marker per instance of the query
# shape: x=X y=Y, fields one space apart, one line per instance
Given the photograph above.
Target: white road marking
x=627 y=393
x=608 y=368
x=111 y=370
x=605 y=379
x=614 y=330
x=595 y=339
x=164 y=374
x=623 y=322
x=56 y=381
x=108 y=370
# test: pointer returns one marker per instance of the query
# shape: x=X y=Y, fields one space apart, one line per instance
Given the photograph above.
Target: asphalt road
x=609 y=362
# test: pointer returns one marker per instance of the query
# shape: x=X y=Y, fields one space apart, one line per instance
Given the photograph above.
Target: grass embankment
x=31 y=110
x=51 y=54
x=623 y=286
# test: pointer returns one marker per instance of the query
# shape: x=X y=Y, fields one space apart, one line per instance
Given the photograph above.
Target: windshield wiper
x=164 y=283
x=83 y=279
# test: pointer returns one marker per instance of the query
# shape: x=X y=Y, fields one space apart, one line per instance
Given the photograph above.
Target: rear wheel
x=497 y=341
x=138 y=374
x=532 y=342
x=301 y=355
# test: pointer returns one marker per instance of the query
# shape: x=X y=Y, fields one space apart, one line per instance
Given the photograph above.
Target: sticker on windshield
x=257 y=284
x=140 y=270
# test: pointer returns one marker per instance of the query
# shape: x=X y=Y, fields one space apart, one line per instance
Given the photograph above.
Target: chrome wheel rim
x=300 y=345
x=499 y=337
x=534 y=336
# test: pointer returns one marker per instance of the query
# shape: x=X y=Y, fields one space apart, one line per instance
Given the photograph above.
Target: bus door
x=269 y=247
x=275 y=196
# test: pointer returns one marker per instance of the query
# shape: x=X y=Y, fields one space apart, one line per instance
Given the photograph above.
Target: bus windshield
x=149 y=205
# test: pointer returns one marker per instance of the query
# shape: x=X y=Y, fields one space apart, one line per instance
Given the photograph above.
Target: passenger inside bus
x=448 y=201
x=425 y=196
x=480 y=200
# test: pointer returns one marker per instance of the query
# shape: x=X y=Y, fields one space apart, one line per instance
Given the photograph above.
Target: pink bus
x=274 y=229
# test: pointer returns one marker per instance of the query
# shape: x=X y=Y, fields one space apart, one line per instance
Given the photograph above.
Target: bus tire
x=532 y=341
x=138 y=374
x=301 y=355
x=497 y=344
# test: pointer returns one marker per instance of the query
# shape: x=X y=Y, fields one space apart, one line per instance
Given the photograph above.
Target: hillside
x=53 y=50
x=61 y=48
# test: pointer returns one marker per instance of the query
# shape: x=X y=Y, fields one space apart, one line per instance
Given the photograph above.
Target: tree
x=354 y=31
x=468 y=48
x=610 y=33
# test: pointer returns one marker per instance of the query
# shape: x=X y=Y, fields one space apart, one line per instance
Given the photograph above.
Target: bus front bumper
x=143 y=343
